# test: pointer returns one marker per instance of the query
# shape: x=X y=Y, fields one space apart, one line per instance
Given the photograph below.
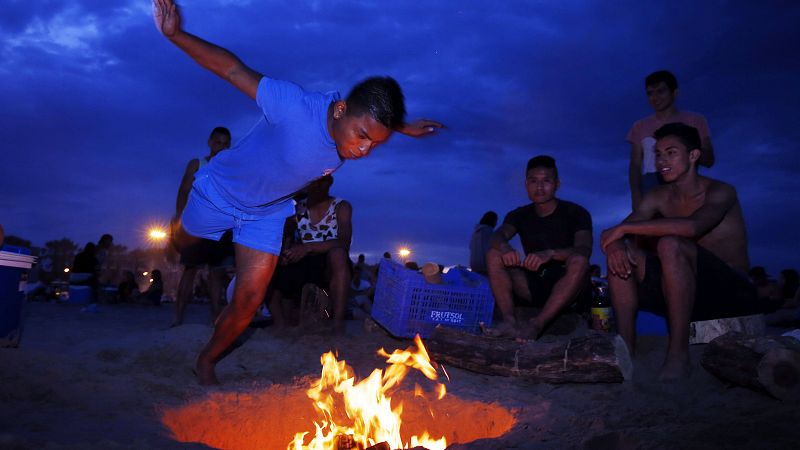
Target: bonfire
x=359 y=415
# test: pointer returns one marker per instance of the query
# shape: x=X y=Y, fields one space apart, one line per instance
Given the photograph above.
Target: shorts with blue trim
x=208 y=215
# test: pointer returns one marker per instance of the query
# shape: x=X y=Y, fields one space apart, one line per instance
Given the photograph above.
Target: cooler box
x=15 y=262
x=405 y=304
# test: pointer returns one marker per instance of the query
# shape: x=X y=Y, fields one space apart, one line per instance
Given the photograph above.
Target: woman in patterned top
x=316 y=250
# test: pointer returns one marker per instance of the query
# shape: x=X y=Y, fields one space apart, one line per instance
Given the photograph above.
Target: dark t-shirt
x=552 y=232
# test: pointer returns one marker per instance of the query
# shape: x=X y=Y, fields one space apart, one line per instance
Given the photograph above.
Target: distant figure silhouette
x=197 y=253
x=128 y=289
x=155 y=291
x=479 y=243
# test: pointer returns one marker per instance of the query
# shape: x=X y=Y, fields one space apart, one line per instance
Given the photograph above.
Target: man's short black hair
x=220 y=130
x=545 y=161
x=381 y=98
x=662 y=75
x=687 y=134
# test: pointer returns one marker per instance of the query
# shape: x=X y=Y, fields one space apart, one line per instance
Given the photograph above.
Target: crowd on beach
x=267 y=210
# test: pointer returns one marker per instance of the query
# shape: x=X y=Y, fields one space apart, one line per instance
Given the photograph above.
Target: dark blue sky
x=100 y=114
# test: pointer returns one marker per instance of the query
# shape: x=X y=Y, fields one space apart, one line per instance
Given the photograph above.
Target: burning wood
x=370 y=422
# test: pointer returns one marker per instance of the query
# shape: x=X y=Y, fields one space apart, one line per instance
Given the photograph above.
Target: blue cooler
x=15 y=262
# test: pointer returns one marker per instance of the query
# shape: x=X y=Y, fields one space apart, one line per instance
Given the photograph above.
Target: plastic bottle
x=601 y=309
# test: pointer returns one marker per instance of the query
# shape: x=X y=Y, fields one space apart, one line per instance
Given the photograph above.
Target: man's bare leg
x=504 y=281
x=216 y=285
x=679 y=262
x=255 y=270
x=564 y=292
x=625 y=297
x=339 y=272
x=185 y=293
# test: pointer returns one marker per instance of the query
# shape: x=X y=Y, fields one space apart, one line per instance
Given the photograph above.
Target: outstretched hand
x=166 y=17
x=420 y=128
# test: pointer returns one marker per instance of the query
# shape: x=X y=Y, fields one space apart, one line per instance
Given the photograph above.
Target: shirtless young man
x=699 y=270
x=300 y=136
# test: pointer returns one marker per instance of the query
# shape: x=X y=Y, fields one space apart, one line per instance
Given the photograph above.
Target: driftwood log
x=768 y=364
x=703 y=332
x=594 y=358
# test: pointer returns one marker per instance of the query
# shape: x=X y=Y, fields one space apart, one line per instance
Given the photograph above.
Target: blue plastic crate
x=406 y=304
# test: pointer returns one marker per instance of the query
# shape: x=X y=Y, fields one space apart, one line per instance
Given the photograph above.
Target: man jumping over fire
x=300 y=137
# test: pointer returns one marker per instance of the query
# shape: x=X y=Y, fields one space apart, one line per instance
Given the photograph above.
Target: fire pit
x=338 y=411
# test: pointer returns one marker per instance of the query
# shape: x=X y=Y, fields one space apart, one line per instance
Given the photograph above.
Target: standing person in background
x=662 y=91
x=300 y=136
x=202 y=252
x=156 y=289
x=479 y=244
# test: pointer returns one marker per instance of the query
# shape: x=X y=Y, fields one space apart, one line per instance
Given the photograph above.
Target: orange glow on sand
x=337 y=406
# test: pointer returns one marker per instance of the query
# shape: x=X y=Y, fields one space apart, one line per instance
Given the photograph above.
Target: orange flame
x=370 y=418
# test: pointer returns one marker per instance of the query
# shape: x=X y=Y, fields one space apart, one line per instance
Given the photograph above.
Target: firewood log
x=768 y=364
x=594 y=358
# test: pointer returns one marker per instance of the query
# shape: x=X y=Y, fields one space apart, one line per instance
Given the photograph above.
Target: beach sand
x=106 y=380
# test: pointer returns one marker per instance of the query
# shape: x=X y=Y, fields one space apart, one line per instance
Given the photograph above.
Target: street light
x=156 y=235
x=404 y=253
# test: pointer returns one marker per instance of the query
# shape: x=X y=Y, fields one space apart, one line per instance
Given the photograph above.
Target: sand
x=111 y=379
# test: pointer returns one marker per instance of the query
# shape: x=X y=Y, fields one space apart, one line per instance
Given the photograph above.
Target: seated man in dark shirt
x=556 y=237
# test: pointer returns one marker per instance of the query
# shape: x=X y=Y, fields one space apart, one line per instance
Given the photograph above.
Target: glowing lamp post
x=404 y=253
x=156 y=236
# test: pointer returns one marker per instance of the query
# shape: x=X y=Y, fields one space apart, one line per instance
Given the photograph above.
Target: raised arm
x=420 y=128
x=216 y=59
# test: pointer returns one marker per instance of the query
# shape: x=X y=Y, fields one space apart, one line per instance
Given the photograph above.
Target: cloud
x=101 y=113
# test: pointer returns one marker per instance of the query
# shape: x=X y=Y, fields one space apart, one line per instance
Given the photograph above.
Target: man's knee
x=247 y=299
x=577 y=264
x=672 y=248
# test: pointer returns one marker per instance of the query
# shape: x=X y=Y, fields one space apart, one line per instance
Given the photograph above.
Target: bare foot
x=503 y=329
x=674 y=369
x=205 y=373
